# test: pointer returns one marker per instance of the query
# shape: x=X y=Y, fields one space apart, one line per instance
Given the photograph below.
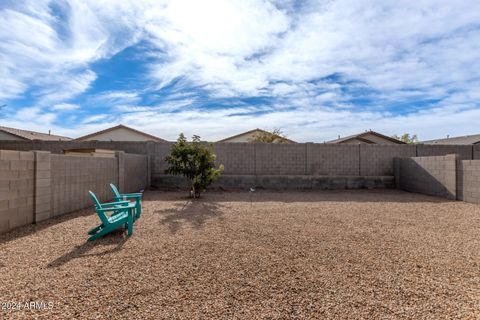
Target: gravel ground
x=364 y=254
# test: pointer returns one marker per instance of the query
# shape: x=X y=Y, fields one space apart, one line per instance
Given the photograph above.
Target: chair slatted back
x=115 y=190
x=98 y=205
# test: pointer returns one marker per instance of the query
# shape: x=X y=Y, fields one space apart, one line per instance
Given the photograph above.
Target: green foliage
x=276 y=136
x=195 y=161
x=407 y=138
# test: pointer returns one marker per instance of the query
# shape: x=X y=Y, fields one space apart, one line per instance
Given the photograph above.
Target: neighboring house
x=7 y=133
x=472 y=139
x=367 y=137
x=119 y=133
x=250 y=135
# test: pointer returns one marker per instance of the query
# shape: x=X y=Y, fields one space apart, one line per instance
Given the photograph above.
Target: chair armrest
x=130 y=206
x=131 y=194
x=109 y=204
x=125 y=197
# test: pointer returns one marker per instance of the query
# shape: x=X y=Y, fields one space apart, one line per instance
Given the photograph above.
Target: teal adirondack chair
x=122 y=216
x=126 y=196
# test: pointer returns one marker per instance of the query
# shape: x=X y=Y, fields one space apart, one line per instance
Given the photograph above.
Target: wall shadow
x=192 y=212
x=415 y=178
x=292 y=196
x=29 y=229
x=82 y=251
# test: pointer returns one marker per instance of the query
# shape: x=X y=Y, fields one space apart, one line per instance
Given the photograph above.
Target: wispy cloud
x=116 y=98
x=65 y=107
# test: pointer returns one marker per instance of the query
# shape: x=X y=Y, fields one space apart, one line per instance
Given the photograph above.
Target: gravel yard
x=362 y=254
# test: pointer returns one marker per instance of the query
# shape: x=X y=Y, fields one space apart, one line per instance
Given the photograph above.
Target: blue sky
x=316 y=69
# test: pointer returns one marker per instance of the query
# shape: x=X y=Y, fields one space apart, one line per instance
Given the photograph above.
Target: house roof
x=253 y=131
x=360 y=136
x=471 y=139
x=121 y=126
x=33 y=135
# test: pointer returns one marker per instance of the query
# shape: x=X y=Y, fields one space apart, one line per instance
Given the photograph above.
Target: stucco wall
x=352 y=141
x=377 y=139
x=119 y=134
x=10 y=137
x=242 y=138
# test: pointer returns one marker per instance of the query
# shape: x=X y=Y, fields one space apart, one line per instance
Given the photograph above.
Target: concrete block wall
x=476 y=152
x=464 y=152
x=161 y=150
x=468 y=180
x=38 y=185
x=16 y=189
x=242 y=158
x=280 y=159
x=237 y=158
x=73 y=176
x=332 y=160
x=377 y=160
x=136 y=172
x=276 y=182
x=43 y=186
x=57 y=147
x=434 y=176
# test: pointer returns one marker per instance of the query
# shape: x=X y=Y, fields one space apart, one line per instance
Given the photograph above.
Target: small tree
x=407 y=138
x=276 y=136
x=195 y=161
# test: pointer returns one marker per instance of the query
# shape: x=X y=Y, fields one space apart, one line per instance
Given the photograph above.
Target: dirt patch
x=364 y=254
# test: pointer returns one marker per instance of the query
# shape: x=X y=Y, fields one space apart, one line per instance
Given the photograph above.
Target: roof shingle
x=471 y=139
x=33 y=135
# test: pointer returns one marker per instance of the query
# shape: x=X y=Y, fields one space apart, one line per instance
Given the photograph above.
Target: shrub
x=195 y=161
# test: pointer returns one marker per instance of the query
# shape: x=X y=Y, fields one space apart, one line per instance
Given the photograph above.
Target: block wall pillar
x=451 y=176
x=43 y=186
x=121 y=170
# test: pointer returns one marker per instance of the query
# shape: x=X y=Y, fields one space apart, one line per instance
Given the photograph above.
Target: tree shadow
x=196 y=213
x=81 y=251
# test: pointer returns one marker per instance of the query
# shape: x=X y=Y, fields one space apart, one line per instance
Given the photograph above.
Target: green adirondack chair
x=122 y=216
x=126 y=196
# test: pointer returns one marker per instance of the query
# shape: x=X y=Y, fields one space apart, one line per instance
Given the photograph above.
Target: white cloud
x=396 y=52
x=315 y=125
x=65 y=107
x=48 y=43
x=64 y=87
x=116 y=97
x=95 y=119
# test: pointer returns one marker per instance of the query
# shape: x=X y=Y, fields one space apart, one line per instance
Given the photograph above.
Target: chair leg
x=100 y=234
x=138 y=210
x=130 y=223
x=96 y=229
